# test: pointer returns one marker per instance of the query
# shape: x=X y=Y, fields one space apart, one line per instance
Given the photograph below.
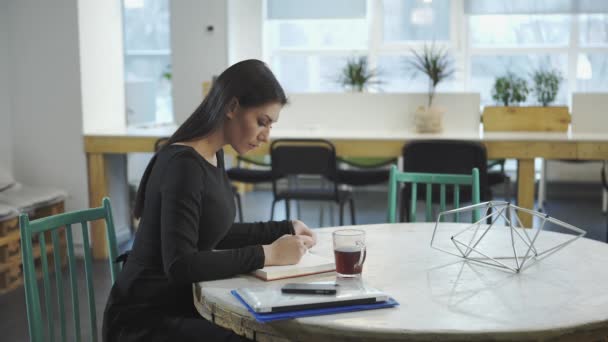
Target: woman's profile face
x=248 y=128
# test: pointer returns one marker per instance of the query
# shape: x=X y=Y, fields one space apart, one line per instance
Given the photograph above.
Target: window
x=593 y=30
x=592 y=72
x=307 y=42
x=415 y=20
x=592 y=63
x=522 y=43
x=307 y=49
x=147 y=61
x=519 y=30
x=485 y=38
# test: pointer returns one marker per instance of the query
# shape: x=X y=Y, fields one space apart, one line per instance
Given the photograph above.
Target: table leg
x=525 y=189
x=98 y=188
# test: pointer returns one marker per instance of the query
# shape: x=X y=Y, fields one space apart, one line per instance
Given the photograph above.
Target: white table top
x=444 y=297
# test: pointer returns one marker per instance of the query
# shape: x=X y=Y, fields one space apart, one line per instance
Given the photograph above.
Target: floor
x=584 y=212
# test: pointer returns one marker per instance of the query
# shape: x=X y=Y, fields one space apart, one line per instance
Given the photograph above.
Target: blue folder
x=277 y=316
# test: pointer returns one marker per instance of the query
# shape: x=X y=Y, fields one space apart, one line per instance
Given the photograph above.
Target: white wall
x=589 y=115
x=196 y=54
x=558 y=171
x=103 y=92
x=6 y=153
x=101 y=64
x=49 y=95
x=45 y=96
x=391 y=112
x=244 y=30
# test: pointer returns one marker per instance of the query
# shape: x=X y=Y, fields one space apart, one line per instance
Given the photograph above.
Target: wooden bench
x=10 y=245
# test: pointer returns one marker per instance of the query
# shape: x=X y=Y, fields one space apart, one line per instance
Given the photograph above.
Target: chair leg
x=508 y=195
x=404 y=213
x=489 y=219
x=274 y=201
x=287 y=205
x=542 y=186
x=239 y=205
x=604 y=201
x=298 y=210
x=321 y=214
x=341 y=213
x=352 y=212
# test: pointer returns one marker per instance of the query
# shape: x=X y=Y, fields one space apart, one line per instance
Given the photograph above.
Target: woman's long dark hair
x=250 y=83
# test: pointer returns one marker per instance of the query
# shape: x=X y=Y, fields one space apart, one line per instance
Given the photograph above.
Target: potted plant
x=546 y=85
x=167 y=74
x=436 y=64
x=356 y=76
x=510 y=90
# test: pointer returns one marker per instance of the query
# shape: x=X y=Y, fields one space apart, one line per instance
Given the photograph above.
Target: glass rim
x=348 y=232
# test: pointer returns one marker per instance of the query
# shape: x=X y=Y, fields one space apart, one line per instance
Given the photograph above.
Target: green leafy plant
x=433 y=62
x=510 y=89
x=167 y=73
x=357 y=76
x=546 y=85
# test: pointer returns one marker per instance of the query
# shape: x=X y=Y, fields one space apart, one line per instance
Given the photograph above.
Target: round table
x=442 y=297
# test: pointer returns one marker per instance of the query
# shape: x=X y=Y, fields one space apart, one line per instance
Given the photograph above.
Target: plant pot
x=529 y=119
x=429 y=120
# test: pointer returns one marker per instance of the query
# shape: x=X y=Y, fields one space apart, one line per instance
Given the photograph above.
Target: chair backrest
x=58 y=226
x=258 y=161
x=429 y=179
x=302 y=157
x=450 y=157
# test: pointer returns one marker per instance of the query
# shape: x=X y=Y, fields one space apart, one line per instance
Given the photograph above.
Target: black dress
x=186 y=235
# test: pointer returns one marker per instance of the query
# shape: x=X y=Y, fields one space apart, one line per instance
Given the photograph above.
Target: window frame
x=459 y=44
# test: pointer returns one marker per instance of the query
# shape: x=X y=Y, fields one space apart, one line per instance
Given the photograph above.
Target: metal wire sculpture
x=468 y=242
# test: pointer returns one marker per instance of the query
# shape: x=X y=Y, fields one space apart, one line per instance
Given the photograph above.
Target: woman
x=186 y=232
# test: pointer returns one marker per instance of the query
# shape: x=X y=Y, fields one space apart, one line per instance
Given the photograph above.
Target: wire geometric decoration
x=521 y=244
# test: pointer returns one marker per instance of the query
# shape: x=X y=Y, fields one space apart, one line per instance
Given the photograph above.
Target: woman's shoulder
x=179 y=152
x=180 y=158
x=180 y=167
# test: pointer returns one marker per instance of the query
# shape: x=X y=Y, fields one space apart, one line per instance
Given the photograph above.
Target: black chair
x=445 y=156
x=249 y=176
x=363 y=174
x=294 y=157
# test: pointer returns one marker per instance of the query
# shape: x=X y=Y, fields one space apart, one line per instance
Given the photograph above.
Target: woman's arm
x=246 y=234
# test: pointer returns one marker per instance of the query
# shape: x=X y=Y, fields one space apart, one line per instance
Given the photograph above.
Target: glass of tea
x=349 y=251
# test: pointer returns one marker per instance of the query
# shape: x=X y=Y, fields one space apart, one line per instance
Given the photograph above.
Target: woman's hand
x=301 y=229
x=286 y=250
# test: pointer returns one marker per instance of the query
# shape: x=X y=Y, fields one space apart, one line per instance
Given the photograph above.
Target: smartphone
x=307 y=288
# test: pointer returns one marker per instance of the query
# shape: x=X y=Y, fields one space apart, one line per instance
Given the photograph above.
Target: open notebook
x=309 y=264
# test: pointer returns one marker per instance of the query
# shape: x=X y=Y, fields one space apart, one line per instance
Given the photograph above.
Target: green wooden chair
x=54 y=225
x=429 y=179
